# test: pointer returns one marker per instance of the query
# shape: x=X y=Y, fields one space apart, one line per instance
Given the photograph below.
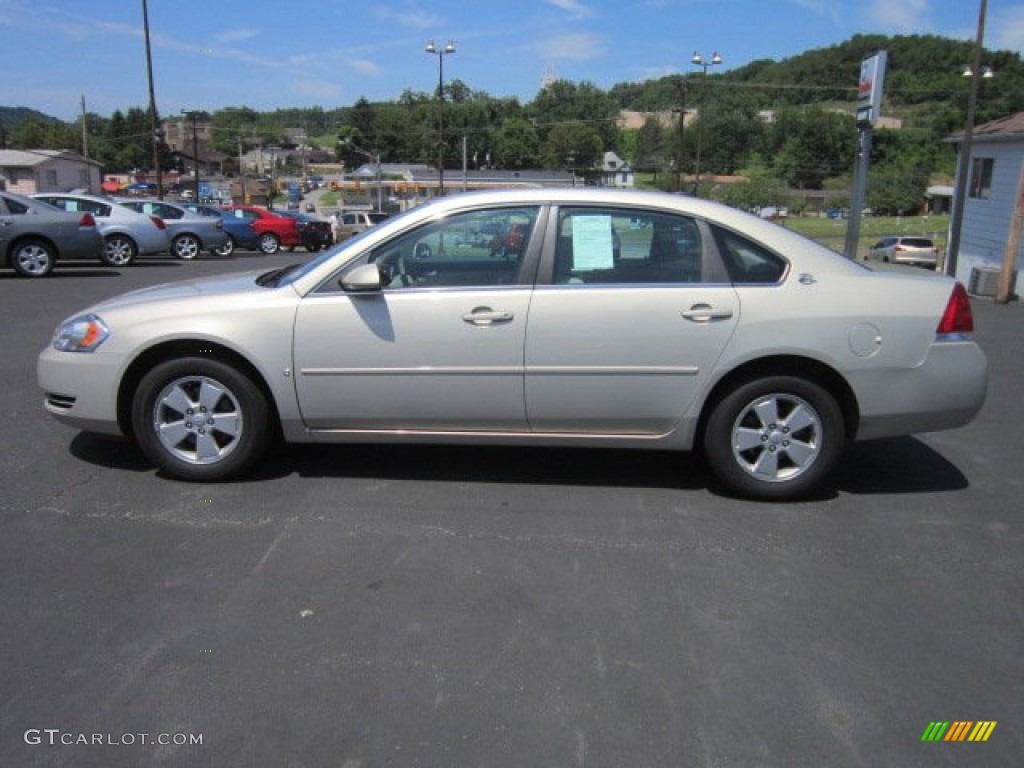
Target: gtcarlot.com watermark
x=55 y=737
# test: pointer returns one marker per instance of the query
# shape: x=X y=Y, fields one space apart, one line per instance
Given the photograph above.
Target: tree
x=572 y=145
x=515 y=145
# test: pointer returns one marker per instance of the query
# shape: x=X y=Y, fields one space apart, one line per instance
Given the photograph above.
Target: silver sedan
x=620 y=319
x=190 y=233
x=127 y=234
x=34 y=235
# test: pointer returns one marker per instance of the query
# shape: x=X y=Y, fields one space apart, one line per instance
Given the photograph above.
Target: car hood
x=223 y=286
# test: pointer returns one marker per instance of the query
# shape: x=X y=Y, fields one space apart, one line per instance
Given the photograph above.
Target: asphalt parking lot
x=418 y=606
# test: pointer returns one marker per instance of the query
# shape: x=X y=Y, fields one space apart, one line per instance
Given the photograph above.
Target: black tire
x=227 y=249
x=118 y=251
x=775 y=438
x=33 y=258
x=269 y=244
x=186 y=247
x=200 y=419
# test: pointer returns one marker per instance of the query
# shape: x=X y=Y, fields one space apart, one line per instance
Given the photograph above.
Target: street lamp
x=700 y=61
x=440 y=53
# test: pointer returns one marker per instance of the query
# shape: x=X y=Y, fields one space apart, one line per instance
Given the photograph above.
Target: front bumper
x=80 y=390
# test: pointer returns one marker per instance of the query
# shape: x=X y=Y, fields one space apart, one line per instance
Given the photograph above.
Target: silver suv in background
x=351 y=223
x=905 y=249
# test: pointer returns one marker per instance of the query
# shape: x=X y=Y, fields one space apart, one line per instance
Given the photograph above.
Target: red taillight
x=159 y=222
x=87 y=220
x=957 y=319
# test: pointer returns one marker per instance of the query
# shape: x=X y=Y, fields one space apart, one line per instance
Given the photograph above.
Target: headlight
x=82 y=334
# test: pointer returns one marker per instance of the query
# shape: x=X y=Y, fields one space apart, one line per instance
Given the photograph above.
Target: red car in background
x=274 y=230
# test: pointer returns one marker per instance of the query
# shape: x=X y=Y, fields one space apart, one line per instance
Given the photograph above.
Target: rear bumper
x=944 y=392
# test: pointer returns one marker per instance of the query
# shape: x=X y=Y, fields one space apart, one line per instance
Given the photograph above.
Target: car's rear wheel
x=33 y=258
x=186 y=247
x=200 y=419
x=775 y=438
x=227 y=249
x=269 y=244
x=118 y=251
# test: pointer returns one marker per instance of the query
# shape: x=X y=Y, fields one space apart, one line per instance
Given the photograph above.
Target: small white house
x=30 y=171
x=994 y=174
x=616 y=172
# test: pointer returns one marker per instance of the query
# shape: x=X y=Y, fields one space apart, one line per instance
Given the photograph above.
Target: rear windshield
x=916 y=242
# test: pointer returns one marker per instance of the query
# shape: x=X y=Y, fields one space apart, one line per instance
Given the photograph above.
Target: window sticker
x=592 y=242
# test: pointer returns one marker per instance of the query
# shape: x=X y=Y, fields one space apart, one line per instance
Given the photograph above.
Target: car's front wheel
x=227 y=249
x=33 y=258
x=775 y=438
x=186 y=247
x=269 y=244
x=200 y=419
x=118 y=251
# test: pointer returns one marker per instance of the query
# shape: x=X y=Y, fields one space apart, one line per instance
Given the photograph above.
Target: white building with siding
x=28 y=171
x=994 y=174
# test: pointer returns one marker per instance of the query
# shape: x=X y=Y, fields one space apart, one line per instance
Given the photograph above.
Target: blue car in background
x=239 y=231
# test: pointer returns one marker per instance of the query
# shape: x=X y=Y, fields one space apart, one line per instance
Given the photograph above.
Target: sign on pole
x=869 y=89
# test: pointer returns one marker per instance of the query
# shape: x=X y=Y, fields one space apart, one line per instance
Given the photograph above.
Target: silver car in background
x=620 y=319
x=190 y=233
x=34 y=235
x=127 y=234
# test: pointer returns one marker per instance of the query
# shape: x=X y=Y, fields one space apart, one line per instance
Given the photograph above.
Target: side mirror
x=362 y=279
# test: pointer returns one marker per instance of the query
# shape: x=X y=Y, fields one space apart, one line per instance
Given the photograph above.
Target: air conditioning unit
x=985 y=281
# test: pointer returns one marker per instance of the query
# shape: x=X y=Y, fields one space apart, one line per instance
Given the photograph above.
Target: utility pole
x=85 y=132
x=154 y=121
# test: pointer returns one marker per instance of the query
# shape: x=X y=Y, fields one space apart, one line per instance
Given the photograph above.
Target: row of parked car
x=37 y=231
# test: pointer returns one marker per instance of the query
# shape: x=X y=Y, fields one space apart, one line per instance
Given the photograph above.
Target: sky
x=269 y=54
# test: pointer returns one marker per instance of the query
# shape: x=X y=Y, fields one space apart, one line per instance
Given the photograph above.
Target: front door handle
x=487 y=316
x=705 y=313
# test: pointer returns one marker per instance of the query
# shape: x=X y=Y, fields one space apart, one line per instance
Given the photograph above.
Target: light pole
x=681 y=109
x=700 y=61
x=440 y=53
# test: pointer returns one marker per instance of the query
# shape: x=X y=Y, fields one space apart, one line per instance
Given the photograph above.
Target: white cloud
x=580 y=46
x=574 y=8
x=903 y=17
x=1007 y=30
x=236 y=35
x=364 y=67
x=409 y=19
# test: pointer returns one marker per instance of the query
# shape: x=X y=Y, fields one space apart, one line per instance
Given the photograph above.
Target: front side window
x=471 y=249
x=606 y=246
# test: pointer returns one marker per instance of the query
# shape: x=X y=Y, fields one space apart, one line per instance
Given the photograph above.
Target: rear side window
x=748 y=262
x=74 y=206
x=916 y=242
x=610 y=246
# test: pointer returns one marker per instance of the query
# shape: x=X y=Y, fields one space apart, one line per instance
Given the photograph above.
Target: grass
x=832 y=232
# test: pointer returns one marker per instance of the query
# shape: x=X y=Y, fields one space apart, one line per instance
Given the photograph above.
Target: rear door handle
x=705 y=313
x=488 y=316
